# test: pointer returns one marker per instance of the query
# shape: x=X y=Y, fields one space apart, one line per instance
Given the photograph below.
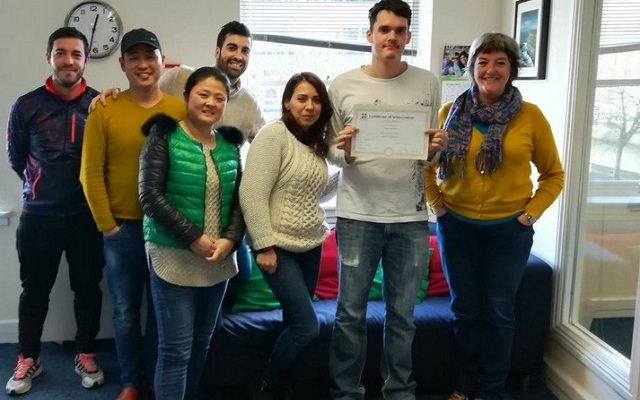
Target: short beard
x=233 y=75
x=68 y=84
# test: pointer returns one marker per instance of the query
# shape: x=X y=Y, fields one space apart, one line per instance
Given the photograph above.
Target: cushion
x=327 y=287
x=254 y=294
x=376 y=286
x=424 y=283
x=437 y=282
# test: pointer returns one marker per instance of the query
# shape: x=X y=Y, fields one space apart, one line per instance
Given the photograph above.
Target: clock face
x=100 y=23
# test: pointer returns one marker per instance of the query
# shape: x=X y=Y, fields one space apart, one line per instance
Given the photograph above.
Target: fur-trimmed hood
x=163 y=124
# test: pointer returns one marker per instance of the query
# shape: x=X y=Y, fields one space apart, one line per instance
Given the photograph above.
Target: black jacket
x=44 y=142
x=152 y=179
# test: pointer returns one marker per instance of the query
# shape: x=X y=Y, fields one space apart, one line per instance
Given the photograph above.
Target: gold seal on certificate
x=391 y=131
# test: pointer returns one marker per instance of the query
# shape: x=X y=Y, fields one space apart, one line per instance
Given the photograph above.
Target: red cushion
x=327 y=287
x=437 y=282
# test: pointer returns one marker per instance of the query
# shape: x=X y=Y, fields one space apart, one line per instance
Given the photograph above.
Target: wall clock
x=100 y=23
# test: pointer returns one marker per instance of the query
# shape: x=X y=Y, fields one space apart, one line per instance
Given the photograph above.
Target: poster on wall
x=454 y=65
x=531 y=32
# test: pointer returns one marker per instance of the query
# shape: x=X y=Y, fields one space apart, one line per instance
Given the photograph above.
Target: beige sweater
x=280 y=191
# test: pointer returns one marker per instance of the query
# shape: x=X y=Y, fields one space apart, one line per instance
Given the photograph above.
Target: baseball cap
x=140 y=35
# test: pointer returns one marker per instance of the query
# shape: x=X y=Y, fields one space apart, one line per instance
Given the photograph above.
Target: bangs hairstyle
x=68 y=33
x=315 y=137
x=398 y=7
x=203 y=73
x=492 y=42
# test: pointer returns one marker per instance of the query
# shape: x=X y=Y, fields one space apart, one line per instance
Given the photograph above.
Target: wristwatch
x=530 y=218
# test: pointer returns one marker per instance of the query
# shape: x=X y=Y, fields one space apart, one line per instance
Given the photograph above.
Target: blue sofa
x=243 y=341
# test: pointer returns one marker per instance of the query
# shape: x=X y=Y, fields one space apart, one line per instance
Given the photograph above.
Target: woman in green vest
x=188 y=189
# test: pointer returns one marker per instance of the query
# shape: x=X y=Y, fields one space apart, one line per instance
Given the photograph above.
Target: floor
x=59 y=381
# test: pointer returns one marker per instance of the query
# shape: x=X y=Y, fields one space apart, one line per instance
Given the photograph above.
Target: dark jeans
x=294 y=285
x=127 y=276
x=40 y=241
x=484 y=265
x=186 y=316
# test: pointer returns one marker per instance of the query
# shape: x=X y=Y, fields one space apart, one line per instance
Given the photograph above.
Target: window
x=607 y=270
x=326 y=37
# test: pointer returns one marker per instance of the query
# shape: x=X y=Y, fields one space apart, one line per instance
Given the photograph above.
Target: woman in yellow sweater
x=486 y=207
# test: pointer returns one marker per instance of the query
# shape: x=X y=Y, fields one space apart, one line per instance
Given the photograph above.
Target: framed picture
x=532 y=32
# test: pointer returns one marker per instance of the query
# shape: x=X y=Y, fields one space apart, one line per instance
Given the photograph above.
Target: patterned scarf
x=466 y=109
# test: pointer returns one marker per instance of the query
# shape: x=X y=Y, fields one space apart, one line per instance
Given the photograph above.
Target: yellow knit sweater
x=509 y=190
x=111 y=149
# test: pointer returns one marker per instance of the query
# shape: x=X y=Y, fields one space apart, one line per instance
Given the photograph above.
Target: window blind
x=620 y=23
x=338 y=24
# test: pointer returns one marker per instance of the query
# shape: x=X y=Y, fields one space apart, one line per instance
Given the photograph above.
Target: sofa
x=246 y=333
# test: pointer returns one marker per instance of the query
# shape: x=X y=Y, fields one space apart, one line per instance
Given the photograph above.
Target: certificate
x=391 y=131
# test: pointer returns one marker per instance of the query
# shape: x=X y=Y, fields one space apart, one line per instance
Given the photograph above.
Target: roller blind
x=620 y=23
x=337 y=24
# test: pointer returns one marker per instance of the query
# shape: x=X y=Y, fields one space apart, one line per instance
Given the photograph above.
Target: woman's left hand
x=524 y=220
x=221 y=249
x=438 y=140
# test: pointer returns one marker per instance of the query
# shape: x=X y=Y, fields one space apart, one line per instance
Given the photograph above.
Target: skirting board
x=9 y=331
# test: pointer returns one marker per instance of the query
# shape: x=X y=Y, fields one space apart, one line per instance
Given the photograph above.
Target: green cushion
x=424 y=283
x=376 y=287
x=254 y=294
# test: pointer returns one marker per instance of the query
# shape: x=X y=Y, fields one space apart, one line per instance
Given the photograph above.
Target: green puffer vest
x=186 y=183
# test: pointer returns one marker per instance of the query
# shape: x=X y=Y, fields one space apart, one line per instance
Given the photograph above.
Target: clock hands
x=93 y=32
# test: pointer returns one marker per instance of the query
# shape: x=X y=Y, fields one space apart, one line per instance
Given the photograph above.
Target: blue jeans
x=127 y=275
x=403 y=248
x=294 y=285
x=484 y=265
x=186 y=319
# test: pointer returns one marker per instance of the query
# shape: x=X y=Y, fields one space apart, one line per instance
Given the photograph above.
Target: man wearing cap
x=109 y=176
x=233 y=50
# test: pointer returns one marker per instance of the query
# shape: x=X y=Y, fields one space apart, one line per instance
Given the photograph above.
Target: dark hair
x=492 y=42
x=315 y=136
x=460 y=64
x=203 y=73
x=67 y=32
x=232 y=28
x=398 y=7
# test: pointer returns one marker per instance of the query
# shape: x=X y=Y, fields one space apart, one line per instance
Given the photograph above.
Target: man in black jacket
x=44 y=141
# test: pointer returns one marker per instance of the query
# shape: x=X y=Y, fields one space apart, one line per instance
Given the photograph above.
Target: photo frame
x=531 y=31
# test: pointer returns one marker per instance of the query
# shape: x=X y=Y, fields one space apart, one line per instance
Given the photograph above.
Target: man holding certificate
x=381 y=138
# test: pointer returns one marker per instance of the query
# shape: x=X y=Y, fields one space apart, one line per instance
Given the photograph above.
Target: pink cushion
x=327 y=287
x=437 y=282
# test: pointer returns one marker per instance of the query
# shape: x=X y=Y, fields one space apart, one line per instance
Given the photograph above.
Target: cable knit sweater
x=280 y=191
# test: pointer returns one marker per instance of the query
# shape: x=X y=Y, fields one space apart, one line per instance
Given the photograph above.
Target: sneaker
x=458 y=396
x=88 y=369
x=25 y=372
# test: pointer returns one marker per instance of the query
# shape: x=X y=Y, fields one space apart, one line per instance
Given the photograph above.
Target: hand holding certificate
x=391 y=131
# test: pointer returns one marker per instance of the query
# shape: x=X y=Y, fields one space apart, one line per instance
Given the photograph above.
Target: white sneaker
x=23 y=374
x=89 y=370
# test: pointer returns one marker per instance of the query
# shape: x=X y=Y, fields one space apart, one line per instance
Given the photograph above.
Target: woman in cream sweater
x=283 y=182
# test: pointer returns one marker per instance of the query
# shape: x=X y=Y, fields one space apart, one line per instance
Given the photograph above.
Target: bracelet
x=264 y=249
